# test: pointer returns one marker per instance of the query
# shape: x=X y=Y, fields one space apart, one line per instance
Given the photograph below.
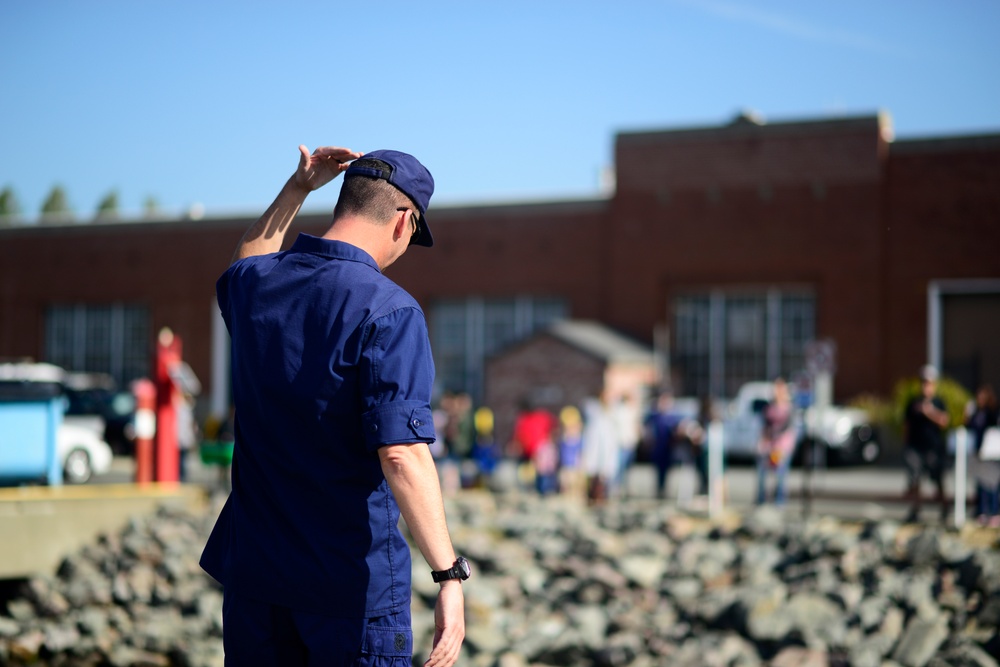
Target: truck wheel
x=77 y=469
x=870 y=451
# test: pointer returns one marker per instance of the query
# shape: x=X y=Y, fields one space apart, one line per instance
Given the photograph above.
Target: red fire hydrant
x=168 y=358
x=145 y=429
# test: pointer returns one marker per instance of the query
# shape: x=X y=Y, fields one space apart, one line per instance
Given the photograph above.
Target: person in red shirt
x=534 y=443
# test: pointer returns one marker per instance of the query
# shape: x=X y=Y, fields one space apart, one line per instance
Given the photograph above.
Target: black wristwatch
x=460 y=570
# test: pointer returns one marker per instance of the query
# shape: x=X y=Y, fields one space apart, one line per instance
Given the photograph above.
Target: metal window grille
x=465 y=332
x=724 y=339
x=112 y=339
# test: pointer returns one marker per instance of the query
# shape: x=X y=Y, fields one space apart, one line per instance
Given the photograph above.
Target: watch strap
x=456 y=571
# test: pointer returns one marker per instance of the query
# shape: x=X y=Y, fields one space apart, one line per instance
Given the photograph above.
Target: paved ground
x=853 y=492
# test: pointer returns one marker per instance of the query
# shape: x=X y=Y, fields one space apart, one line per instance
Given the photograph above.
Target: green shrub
x=878 y=409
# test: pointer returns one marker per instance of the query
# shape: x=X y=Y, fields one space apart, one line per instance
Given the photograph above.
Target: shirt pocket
x=387 y=641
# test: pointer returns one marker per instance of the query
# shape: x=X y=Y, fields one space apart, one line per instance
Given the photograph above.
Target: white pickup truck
x=846 y=434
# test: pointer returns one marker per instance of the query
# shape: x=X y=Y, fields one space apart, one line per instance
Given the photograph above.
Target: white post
x=220 y=397
x=715 y=479
x=961 y=460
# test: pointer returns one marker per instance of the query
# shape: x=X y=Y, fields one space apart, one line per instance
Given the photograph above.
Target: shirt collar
x=307 y=243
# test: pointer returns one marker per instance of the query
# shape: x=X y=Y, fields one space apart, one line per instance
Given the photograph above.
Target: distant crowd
x=586 y=450
x=582 y=450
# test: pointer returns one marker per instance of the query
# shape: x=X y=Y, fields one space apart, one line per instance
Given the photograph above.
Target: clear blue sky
x=206 y=102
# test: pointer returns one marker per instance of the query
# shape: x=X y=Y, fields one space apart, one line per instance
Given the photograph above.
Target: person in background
x=600 y=448
x=924 y=450
x=485 y=450
x=983 y=414
x=187 y=431
x=572 y=480
x=533 y=437
x=663 y=429
x=628 y=426
x=776 y=444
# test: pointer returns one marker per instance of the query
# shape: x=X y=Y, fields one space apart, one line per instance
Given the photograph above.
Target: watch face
x=464 y=570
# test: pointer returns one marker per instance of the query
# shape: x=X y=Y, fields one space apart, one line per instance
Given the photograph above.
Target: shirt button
x=417 y=423
x=373 y=428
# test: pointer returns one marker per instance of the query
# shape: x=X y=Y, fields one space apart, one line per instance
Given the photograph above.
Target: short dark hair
x=371 y=197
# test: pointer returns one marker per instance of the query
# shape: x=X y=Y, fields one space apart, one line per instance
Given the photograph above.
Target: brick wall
x=827 y=205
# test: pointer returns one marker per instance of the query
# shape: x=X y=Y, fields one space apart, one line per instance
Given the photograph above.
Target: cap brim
x=423 y=236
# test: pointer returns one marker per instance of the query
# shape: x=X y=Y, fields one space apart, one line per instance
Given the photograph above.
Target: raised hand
x=324 y=165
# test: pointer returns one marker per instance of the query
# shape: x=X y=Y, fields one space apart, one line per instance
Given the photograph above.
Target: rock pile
x=136 y=598
x=558 y=583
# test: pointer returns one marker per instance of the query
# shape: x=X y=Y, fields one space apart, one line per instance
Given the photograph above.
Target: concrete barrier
x=39 y=525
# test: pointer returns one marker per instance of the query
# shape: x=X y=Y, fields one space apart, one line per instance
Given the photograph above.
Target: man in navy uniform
x=332 y=376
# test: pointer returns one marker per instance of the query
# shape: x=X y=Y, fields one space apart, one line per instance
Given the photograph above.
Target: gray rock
x=758 y=560
x=870 y=612
x=965 y=654
x=924 y=548
x=766 y=521
x=482 y=638
x=819 y=619
x=9 y=627
x=129 y=656
x=26 y=646
x=61 y=637
x=870 y=651
x=592 y=623
x=800 y=656
x=44 y=594
x=683 y=589
x=920 y=640
x=643 y=570
x=92 y=621
x=892 y=623
x=21 y=610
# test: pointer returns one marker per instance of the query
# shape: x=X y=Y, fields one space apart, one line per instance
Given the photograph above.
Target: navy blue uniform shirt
x=330 y=361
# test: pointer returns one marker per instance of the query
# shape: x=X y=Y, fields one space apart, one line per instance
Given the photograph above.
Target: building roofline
x=746 y=124
x=41 y=226
x=599 y=341
x=582 y=205
x=964 y=142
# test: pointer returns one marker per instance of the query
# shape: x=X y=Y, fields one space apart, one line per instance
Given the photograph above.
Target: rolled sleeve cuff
x=397 y=423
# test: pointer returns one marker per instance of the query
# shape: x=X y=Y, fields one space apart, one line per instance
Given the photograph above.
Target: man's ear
x=401 y=225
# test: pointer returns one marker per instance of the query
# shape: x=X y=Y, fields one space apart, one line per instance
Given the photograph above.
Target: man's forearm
x=413 y=478
x=267 y=234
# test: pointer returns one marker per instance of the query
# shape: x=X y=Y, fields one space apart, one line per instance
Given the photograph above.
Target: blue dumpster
x=31 y=411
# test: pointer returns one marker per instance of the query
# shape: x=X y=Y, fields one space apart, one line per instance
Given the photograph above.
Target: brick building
x=729 y=246
x=565 y=364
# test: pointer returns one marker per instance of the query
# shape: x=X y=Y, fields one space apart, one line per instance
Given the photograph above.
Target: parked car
x=846 y=435
x=82 y=453
x=94 y=402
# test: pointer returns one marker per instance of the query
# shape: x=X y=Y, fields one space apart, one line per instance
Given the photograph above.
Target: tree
x=108 y=207
x=9 y=207
x=151 y=207
x=56 y=204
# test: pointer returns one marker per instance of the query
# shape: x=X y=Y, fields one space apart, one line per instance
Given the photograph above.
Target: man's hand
x=267 y=234
x=449 y=625
x=931 y=411
x=324 y=165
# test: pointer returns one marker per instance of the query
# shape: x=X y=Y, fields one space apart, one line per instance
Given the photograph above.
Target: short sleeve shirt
x=330 y=361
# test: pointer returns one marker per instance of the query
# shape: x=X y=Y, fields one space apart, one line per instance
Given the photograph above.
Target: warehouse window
x=464 y=332
x=112 y=339
x=723 y=339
